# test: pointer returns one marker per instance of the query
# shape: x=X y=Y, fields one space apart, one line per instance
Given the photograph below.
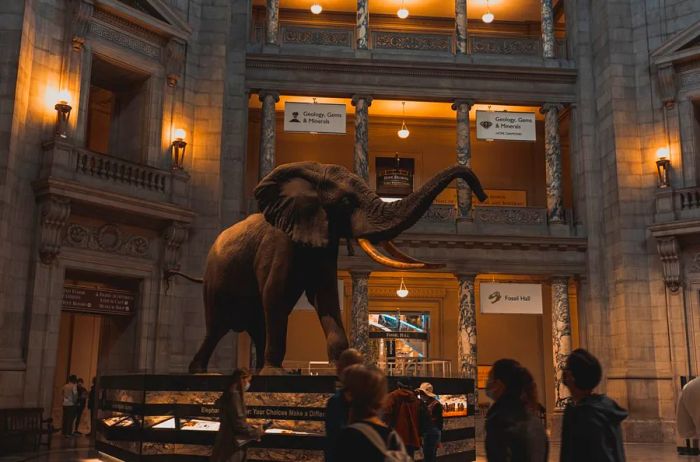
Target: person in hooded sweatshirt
x=514 y=431
x=591 y=429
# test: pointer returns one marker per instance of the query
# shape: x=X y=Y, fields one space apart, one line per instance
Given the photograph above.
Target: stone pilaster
x=552 y=146
x=272 y=22
x=362 y=26
x=464 y=156
x=466 y=325
x=362 y=104
x=359 y=331
x=267 y=132
x=561 y=336
x=461 y=26
x=548 y=42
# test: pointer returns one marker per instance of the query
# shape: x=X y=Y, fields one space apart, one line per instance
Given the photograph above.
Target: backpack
x=398 y=454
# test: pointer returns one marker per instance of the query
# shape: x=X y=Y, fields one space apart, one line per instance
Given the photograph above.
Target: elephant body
x=258 y=268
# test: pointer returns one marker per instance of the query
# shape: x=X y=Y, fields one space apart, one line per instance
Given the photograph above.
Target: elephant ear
x=293 y=205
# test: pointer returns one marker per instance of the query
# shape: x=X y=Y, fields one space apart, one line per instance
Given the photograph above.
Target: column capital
x=368 y=99
x=546 y=107
x=559 y=277
x=462 y=102
x=360 y=274
x=262 y=94
x=465 y=276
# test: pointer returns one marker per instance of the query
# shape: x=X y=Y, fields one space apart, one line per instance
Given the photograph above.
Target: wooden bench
x=23 y=429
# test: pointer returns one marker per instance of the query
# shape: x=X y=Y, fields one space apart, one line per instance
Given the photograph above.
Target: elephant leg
x=201 y=360
x=257 y=336
x=279 y=298
x=325 y=300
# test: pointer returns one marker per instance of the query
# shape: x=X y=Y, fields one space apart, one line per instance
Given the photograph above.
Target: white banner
x=508 y=298
x=314 y=118
x=504 y=125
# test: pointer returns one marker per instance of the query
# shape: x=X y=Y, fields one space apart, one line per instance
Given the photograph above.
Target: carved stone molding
x=505 y=46
x=107 y=238
x=440 y=214
x=317 y=37
x=54 y=213
x=510 y=216
x=173 y=60
x=82 y=11
x=668 y=252
x=407 y=41
x=173 y=238
x=695 y=264
x=127 y=41
x=116 y=22
x=668 y=84
x=414 y=292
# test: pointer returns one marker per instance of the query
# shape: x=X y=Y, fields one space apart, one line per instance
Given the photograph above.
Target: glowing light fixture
x=402 y=13
x=63 y=109
x=178 y=149
x=402 y=291
x=403 y=131
x=488 y=17
x=316 y=8
x=663 y=164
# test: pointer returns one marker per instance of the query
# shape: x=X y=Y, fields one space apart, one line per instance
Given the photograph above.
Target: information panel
x=100 y=301
x=514 y=298
x=505 y=125
x=314 y=118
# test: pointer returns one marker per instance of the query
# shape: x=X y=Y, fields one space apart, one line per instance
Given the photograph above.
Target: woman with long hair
x=514 y=431
x=233 y=422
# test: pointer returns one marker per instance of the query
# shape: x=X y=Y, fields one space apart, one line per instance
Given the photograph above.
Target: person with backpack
x=367 y=438
x=514 y=431
x=432 y=431
x=338 y=406
x=406 y=414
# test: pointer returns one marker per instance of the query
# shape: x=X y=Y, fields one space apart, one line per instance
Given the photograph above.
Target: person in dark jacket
x=591 y=429
x=81 y=400
x=514 y=431
x=406 y=414
x=233 y=425
x=432 y=431
x=338 y=406
x=91 y=405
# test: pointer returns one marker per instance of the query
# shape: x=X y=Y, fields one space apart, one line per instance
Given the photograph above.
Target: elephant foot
x=273 y=370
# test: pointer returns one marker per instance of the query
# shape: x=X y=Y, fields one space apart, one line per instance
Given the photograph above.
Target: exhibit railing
x=411 y=367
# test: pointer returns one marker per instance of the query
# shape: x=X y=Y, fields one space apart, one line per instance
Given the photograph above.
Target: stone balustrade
x=121 y=171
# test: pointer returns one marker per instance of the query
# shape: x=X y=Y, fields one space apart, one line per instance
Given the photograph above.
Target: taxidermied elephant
x=258 y=268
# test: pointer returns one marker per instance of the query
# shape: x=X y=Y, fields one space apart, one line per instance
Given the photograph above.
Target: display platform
x=175 y=418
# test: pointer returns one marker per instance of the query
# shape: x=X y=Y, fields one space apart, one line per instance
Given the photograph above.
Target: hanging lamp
x=402 y=291
x=488 y=17
x=403 y=131
x=402 y=13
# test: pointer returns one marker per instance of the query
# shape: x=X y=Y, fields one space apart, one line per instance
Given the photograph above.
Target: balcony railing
x=121 y=171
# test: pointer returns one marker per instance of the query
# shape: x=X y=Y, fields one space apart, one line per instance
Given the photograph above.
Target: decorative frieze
x=317 y=37
x=440 y=213
x=504 y=46
x=122 y=39
x=54 y=213
x=107 y=238
x=134 y=29
x=510 y=215
x=406 y=41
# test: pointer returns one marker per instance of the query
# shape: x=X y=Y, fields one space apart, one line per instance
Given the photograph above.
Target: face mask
x=246 y=386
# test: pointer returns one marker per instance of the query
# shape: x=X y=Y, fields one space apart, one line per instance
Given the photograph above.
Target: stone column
x=461 y=26
x=362 y=104
x=548 y=41
x=362 y=26
x=272 y=22
x=267 y=132
x=464 y=156
x=466 y=334
x=359 y=331
x=561 y=336
x=552 y=146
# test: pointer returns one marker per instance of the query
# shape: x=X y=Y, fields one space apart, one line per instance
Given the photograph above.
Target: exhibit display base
x=175 y=417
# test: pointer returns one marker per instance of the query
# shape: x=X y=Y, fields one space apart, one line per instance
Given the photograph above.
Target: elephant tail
x=170 y=273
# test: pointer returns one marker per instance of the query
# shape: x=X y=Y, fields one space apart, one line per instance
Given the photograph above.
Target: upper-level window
x=116 y=111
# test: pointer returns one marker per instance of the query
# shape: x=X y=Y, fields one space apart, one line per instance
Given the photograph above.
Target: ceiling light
x=403 y=131
x=402 y=291
x=316 y=8
x=403 y=11
x=488 y=17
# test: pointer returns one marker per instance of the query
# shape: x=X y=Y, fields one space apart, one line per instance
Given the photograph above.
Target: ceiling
x=504 y=10
x=392 y=108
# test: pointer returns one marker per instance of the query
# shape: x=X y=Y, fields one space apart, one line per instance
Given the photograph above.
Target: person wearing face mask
x=514 y=432
x=233 y=423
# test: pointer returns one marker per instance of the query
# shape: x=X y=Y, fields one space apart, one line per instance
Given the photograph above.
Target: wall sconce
x=63 y=109
x=402 y=291
x=178 y=149
x=663 y=164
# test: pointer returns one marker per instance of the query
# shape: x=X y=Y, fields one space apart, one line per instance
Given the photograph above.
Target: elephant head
x=318 y=204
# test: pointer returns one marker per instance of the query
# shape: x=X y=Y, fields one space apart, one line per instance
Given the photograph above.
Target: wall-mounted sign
x=100 y=301
x=510 y=298
x=496 y=197
x=505 y=125
x=314 y=118
x=391 y=335
x=394 y=176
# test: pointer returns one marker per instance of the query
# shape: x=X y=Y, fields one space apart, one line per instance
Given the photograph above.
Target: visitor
x=367 y=438
x=91 y=404
x=406 y=414
x=591 y=425
x=234 y=430
x=338 y=406
x=80 y=402
x=433 y=430
x=70 y=395
x=688 y=412
x=514 y=431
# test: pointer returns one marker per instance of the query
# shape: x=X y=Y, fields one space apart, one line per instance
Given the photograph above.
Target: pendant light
x=403 y=131
x=402 y=291
x=316 y=8
x=402 y=13
x=488 y=17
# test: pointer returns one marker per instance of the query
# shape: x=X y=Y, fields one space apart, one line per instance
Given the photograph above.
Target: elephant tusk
x=397 y=253
x=375 y=255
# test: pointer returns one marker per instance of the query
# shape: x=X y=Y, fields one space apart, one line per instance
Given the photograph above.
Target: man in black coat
x=591 y=428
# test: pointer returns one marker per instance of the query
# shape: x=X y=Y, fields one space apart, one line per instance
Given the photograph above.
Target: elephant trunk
x=386 y=220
